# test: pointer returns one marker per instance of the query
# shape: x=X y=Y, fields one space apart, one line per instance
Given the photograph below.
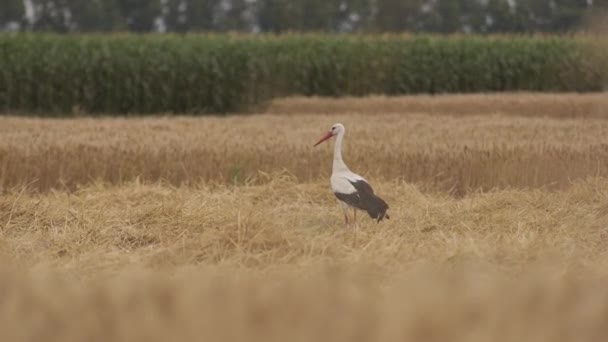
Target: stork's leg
x=355 y=216
x=345 y=210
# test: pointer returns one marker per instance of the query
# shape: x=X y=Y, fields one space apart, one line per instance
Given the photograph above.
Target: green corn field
x=47 y=74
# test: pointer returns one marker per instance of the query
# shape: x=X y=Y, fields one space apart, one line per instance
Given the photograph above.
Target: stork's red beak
x=325 y=137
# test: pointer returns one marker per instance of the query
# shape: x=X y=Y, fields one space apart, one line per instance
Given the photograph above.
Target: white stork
x=351 y=189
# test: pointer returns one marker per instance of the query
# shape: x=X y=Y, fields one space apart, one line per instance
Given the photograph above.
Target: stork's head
x=334 y=130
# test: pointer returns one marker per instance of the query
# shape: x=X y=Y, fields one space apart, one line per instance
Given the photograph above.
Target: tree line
x=438 y=16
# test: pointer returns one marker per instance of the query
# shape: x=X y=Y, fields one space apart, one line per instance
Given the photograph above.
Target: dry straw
x=224 y=229
x=483 y=142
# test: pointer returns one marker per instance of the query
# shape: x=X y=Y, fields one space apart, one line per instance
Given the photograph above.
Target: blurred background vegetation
x=321 y=48
x=437 y=16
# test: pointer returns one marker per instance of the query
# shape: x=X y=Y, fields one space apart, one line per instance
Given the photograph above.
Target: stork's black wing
x=365 y=199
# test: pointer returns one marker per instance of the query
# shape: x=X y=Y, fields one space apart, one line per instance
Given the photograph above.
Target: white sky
x=29 y=10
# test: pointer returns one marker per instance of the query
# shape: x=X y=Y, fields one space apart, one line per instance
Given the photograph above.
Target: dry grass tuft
x=259 y=263
x=285 y=223
x=324 y=305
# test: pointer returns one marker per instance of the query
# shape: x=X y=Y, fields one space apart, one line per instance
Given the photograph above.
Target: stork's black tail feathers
x=368 y=201
x=377 y=209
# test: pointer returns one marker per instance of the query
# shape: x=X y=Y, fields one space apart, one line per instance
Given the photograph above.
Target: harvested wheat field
x=225 y=229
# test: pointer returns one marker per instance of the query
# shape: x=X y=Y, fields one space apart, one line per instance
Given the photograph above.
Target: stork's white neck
x=339 y=165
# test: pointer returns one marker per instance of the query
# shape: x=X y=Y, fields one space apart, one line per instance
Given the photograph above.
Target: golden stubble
x=157 y=229
x=273 y=262
x=455 y=151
